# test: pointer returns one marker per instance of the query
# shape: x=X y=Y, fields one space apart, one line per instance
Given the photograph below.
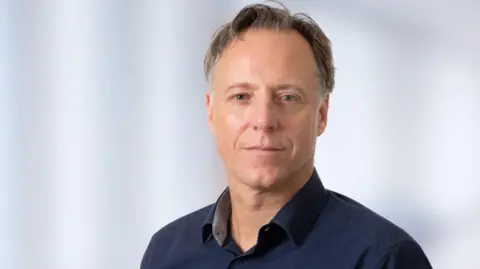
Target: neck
x=253 y=208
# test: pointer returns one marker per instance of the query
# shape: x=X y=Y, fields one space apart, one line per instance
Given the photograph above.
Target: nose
x=263 y=115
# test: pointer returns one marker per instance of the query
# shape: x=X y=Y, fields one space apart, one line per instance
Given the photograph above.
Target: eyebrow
x=241 y=85
x=250 y=86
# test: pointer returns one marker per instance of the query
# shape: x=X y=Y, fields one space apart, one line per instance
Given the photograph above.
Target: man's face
x=265 y=109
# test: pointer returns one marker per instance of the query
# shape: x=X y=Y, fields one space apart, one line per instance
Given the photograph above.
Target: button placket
x=236 y=263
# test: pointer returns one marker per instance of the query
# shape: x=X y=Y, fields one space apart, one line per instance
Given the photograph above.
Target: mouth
x=264 y=148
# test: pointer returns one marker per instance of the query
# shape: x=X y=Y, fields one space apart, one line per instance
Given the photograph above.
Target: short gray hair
x=262 y=16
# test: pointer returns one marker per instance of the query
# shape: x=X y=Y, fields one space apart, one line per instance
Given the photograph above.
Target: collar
x=296 y=218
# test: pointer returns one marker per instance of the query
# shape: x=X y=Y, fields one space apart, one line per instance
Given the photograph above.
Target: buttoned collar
x=296 y=218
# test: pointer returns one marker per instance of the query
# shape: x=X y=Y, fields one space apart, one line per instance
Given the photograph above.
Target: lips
x=264 y=148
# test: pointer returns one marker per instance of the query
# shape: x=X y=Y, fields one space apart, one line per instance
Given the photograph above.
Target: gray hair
x=262 y=16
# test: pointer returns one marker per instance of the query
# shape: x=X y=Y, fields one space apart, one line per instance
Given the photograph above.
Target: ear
x=209 y=107
x=323 y=115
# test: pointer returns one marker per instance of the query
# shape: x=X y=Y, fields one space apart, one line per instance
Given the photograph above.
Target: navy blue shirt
x=317 y=228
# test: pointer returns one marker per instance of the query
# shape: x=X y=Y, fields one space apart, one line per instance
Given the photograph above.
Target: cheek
x=229 y=127
x=303 y=131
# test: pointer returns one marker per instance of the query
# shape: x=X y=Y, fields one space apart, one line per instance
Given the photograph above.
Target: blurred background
x=103 y=133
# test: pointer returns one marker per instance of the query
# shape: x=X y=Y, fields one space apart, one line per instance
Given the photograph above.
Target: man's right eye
x=240 y=96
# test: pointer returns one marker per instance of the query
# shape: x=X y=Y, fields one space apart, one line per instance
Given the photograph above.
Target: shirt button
x=238 y=263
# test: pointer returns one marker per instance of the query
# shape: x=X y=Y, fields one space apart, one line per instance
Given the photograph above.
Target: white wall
x=103 y=137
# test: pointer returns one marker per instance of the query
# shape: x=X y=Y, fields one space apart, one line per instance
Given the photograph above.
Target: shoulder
x=404 y=255
x=362 y=221
x=189 y=222
x=184 y=229
x=376 y=239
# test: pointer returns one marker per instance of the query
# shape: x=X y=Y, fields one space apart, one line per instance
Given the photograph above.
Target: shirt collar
x=216 y=224
x=296 y=218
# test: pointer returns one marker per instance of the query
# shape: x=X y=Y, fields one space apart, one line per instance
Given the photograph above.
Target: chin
x=261 y=177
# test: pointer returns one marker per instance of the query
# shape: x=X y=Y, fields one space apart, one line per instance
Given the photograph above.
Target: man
x=270 y=75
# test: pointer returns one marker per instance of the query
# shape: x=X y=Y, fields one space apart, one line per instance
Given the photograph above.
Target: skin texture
x=265 y=112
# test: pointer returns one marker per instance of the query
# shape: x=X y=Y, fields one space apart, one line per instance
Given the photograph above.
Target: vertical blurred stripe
x=8 y=246
x=74 y=85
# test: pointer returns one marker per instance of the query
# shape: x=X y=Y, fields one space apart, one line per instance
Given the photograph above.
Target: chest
x=282 y=256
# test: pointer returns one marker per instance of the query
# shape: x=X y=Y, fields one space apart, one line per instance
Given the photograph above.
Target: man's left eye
x=289 y=98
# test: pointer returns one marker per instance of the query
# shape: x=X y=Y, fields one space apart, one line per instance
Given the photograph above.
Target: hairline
x=323 y=91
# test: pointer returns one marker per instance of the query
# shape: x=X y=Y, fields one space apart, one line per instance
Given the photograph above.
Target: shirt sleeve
x=405 y=255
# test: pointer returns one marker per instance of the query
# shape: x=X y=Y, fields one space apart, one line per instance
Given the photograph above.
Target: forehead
x=268 y=56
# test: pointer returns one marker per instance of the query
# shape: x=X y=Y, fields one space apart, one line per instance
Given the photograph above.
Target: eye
x=289 y=98
x=240 y=96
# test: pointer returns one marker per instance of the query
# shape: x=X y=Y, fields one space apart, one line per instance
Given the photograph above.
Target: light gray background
x=103 y=134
